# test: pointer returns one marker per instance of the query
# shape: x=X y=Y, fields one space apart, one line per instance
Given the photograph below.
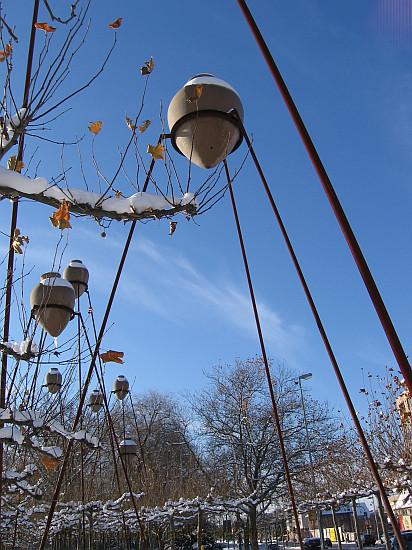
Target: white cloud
x=171 y=286
x=167 y=284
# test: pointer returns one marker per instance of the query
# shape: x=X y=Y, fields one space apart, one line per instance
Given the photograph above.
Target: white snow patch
x=21 y=348
x=209 y=79
x=12 y=434
x=55 y=281
x=138 y=203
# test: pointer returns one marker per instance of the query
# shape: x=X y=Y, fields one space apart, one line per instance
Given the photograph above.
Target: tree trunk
x=336 y=527
x=355 y=517
x=247 y=534
x=172 y=533
x=253 y=528
x=199 y=528
x=384 y=522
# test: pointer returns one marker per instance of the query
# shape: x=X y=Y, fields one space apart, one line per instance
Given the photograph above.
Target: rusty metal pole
x=333 y=199
x=275 y=412
x=13 y=225
x=325 y=339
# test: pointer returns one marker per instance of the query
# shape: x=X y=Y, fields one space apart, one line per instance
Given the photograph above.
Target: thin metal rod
x=114 y=439
x=275 y=412
x=90 y=371
x=112 y=432
x=79 y=353
x=312 y=470
x=337 y=208
x=325 y=339
x=13 y=225
x=302 y=401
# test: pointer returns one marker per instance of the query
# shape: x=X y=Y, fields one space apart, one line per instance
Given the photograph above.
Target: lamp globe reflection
x=128 y=449
x=202 y=118
x=121 y=387
x=52 y=302
x=96 y=401
x=53 y=380
x=78 y=276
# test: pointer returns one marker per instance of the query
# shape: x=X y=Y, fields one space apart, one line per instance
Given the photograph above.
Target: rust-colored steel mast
x=275 y=412
x=336 y=368
x=13 y=225
x=333 y=199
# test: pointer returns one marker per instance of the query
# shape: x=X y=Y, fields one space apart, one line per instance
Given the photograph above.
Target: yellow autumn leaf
x=4 y=54
x=61 y=217
x=112 y=356
x=18 y=241
x=197 y=92
x=116 y=24
x=129 y=123
x=143 y=127
x=14 y=164
x=147 y=67
x=44 y=27
x=157 y=151
x=95 y=127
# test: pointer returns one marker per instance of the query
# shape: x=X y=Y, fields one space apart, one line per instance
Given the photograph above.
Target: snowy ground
x=293 y=546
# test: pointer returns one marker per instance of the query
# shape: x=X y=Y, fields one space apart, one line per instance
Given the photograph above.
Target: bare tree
x=235 y=416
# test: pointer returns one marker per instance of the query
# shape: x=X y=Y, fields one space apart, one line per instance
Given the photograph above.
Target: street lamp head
x=305 y=376
x=201 y=120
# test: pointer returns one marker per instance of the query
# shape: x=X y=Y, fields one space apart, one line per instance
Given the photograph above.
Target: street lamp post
x=307 y=376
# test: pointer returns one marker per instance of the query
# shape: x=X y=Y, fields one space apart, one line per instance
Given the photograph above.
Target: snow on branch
x=24 y=351
x=139 y=206
x=28 y=417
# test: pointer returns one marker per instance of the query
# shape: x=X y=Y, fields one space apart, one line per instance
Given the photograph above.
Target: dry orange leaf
x=14 y=164
x=197 y=93
x=147 y=67
x=4 y=54
x=44 y=27
x=172 y=227
x=18 y=241
x=61 y=217
x=129 y=123
x=95 y=127
x=115 y=24
x=157 y=151
x=49 y=462
x=143 y=127
x=112 y=356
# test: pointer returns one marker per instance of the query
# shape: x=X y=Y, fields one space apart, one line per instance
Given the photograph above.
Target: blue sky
x=182 y=305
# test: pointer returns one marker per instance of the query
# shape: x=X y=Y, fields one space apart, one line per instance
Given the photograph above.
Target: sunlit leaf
x=4 y=54
x=172 y=227
x=143 y=127
x=147 y=67
x=112 y=356
x=197 y=93
x=61 y=217
x=49 y=462
x=18 y=241
x=129 y=123
x=14 y=164
x=157 y=151
x=95 y=127
x=115 y=24
x=44 y=27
